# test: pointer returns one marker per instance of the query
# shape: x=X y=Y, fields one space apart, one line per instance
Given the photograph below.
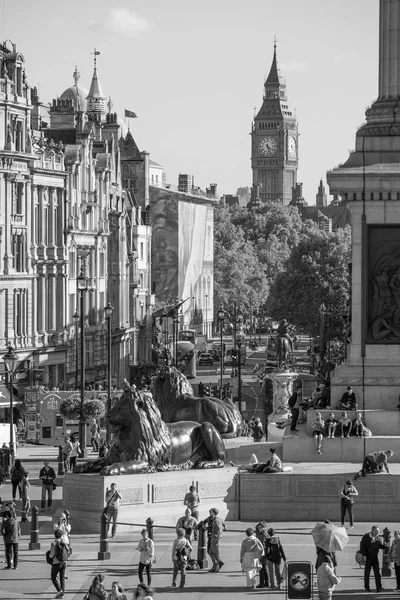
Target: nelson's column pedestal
x=370 y=182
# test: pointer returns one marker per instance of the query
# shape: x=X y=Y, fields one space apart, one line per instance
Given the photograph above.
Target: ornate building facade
x=64 y=212
x=274 y=143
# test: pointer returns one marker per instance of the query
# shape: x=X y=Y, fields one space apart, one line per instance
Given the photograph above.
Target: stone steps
x=300 y=447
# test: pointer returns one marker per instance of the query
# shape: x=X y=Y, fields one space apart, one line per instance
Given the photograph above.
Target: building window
x=59 y=421
x=141 y=251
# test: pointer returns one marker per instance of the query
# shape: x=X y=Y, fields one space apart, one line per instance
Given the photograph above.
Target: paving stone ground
x=32 y=579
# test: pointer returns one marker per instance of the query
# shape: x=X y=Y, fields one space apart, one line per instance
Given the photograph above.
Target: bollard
x=386 y=570
x=149 y=527
x=34 y=544
x=61 y=469
x=104 y=553
x=202 y=546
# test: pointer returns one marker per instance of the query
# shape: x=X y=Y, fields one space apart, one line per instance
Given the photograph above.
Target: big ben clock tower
x=274 y=142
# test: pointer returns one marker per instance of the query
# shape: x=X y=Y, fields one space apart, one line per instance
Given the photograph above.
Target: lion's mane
x=143 y=435
x=167 y=388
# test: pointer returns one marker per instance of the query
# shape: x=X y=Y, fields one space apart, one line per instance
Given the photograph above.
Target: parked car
x=206 y=358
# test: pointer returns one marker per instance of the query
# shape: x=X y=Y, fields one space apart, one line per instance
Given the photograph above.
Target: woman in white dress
x=250 y=554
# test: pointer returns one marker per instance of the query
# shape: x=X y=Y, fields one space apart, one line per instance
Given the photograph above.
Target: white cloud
x=123 y=20
x=293 y=65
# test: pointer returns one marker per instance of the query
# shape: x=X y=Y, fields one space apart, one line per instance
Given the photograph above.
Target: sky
x=193 y=71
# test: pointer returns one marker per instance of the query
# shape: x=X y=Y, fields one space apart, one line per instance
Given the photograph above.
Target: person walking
x=25 y=488
x=95 y=435
x=11 y=532
x=375 y=462
x=67 y=449
x=59 y=553
x=327 y=580
x=117 y=592
x=275 y=554
x=347 y=501
x=146 y=558
x=217 y=528
x=113 y=497
x=262 y=535
x=63 y=526
x=294 y=405
x=17 y=473
x=97 y=591
x=192 y=501
x=251 y=552
x=394 y=556
x=75 y=452
x=47 y=476
x=181 y=549
x=370 y=545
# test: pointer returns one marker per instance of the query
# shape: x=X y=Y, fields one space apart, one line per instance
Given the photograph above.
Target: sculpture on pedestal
x=142 y=442
x=283 y=345
x=176 y=400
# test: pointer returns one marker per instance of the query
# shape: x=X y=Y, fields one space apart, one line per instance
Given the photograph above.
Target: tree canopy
x=281 y=265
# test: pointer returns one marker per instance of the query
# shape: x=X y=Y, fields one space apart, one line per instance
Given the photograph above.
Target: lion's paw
x=111 y=470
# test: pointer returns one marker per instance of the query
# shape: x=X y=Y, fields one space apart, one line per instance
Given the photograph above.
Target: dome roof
x=77 y=93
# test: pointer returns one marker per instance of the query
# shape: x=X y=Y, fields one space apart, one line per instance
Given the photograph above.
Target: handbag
x=54 y=486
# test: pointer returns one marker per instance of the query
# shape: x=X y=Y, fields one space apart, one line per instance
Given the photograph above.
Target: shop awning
x=5 y=397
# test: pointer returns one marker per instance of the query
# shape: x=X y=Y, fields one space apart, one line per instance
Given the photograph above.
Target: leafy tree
x=315 y=274
x=238 y=275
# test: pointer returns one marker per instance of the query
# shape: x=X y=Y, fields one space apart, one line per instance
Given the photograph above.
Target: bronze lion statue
x=142 y=442
x=176 y=400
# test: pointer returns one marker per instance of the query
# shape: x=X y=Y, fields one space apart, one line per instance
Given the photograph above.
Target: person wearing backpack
x=59 y=555
x=275 y=554
x=181 y=548
x=17 y=474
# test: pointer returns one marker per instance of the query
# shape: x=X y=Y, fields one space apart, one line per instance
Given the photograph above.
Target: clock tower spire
x=274 y=141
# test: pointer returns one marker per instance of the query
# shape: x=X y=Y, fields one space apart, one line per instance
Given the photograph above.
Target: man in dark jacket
x=294 y=405
x=11 y=531
x=370 y=545
x=47 y=476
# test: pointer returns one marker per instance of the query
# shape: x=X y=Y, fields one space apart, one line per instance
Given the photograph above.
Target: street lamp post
x=221 y=318
x=76 y=319
x=206 y=318
x=322 y=311
x=108 y=311
x=11 y=361
x=239 y=356
x=81 y=287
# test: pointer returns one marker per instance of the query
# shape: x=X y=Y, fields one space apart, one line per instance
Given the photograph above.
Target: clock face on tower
x=267 y=146
x=292 y=150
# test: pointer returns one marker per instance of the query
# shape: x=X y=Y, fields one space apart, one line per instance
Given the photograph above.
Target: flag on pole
x=130 y=115
x=96 y=53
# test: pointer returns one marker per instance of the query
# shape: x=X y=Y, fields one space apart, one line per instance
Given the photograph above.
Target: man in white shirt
x=326 y=579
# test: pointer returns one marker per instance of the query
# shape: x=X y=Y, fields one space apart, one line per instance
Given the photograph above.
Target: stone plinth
x=156 y=495
x=289 y=497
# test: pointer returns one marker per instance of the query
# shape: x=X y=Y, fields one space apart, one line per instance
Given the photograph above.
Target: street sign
x=299 y=580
